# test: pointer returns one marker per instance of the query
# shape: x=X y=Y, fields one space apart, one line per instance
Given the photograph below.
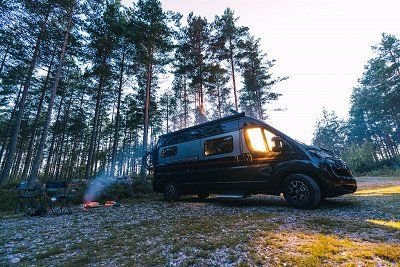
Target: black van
x=239 y=155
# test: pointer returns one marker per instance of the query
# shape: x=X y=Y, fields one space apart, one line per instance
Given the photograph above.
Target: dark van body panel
x=235 y=169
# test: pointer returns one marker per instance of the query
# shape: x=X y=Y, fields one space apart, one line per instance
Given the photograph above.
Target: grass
x=314 y=249
x=360 y=229
x=50 y=252
x=392 y=224
x=379 y=191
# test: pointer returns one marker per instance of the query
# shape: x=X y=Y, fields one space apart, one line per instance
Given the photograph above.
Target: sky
x=322 y=45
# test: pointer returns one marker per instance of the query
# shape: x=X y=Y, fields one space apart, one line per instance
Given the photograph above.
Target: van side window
x=219 y=145
x=169 y=151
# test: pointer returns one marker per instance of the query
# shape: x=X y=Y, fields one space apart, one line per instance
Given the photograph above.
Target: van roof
x=227 y=118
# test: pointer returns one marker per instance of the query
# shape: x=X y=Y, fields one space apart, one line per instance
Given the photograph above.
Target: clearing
x=361 y=229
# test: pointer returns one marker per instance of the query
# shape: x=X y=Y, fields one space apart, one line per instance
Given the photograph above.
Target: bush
x=361 y=158
x=8 y=199
x=384 y=171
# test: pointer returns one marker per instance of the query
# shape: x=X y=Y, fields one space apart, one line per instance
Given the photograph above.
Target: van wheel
x=301 y=191
x=203 y=195
x=171 y=191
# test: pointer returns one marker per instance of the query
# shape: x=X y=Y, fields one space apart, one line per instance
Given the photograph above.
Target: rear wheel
x=301 y=191
x=203 y=195
x=171 y=191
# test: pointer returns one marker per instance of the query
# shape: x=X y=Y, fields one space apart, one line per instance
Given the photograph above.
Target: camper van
x=239 y=156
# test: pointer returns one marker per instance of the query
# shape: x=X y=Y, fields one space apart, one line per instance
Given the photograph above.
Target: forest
x=370 y=138
x=87 y=86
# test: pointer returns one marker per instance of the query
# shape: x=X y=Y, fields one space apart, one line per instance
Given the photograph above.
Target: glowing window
x=256 y=139
x=268 y=136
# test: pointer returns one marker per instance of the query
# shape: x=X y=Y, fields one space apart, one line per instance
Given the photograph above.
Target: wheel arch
x=310 y=173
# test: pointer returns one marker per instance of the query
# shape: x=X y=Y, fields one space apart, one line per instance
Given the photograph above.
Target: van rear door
x=178 y=166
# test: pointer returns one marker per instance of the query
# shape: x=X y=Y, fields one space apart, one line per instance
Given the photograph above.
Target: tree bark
x=117 y=118
x=53 y=138
x=146 y=120
x=4 y=58
x=35 y=124
x=185 y=99
x=38 y=158
x=21 y=106
x=219 y=102
x=66 y=121
x=95 y=122
x=167 y=113
x=233 y=74
x=4 y=144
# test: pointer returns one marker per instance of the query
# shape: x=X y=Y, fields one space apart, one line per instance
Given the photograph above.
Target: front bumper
x=341 y=180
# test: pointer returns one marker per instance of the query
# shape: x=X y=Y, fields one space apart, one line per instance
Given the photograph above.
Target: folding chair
x=57 y=197
x=31 y=200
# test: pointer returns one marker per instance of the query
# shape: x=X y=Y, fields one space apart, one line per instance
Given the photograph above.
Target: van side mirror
x=277 y=144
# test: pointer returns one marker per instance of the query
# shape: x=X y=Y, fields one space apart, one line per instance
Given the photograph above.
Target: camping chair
x=31 y=200
x=57 y=197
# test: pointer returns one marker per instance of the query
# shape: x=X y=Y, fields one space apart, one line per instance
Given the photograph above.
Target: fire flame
x=91 y=204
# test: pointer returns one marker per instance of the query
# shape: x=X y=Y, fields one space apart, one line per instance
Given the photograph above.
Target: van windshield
x=256 y=139
x=261 y=141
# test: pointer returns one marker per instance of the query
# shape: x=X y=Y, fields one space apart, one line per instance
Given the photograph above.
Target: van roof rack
x=227 y=118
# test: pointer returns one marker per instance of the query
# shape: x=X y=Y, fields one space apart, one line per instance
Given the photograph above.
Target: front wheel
x=301 y=191
x=171 y=191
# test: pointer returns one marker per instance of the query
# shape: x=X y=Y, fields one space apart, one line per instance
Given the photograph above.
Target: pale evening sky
x=321 y=45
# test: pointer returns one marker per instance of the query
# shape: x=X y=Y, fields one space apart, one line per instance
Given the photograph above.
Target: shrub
x=361 y=158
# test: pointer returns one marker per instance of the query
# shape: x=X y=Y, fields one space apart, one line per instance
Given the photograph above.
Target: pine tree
x=228 y=43
x=43 y=12
x=257 y=79
x=102 y=42
x=39 y=154
x=152 y=26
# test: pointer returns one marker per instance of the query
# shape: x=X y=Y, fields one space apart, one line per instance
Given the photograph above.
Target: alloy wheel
x=298 y=191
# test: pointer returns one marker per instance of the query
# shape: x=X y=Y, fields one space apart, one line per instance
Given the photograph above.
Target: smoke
x=97 y=185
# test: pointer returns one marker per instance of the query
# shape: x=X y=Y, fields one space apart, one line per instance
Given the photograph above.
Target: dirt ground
x=360 y=229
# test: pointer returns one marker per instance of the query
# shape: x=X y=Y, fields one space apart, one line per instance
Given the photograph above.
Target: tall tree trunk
x=35 y=124
x=21 y=106
x=233 y=74
x=122 y=156
x=66 y=121
x=116 y=129
x=5 y=136
x=89 y=161
x=97 y=144
x=185 y=99
x=38 y=158
x=146 y=120
x=18 y=157
x=219 y=102
x=53 y=139
x=4 y=57
x=167 y=113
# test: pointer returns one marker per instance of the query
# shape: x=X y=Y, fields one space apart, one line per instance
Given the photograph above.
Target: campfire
x=94 y=204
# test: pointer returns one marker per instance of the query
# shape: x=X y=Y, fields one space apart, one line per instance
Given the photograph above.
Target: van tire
x=171 y=191
x=203 y=195
x=301 y=191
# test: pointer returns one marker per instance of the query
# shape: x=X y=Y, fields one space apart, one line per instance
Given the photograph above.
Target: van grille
x=342 y=172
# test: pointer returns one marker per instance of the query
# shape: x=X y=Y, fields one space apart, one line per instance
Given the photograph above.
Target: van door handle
x=191 y=159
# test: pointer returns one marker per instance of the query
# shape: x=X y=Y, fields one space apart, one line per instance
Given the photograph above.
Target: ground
x=360 y=229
